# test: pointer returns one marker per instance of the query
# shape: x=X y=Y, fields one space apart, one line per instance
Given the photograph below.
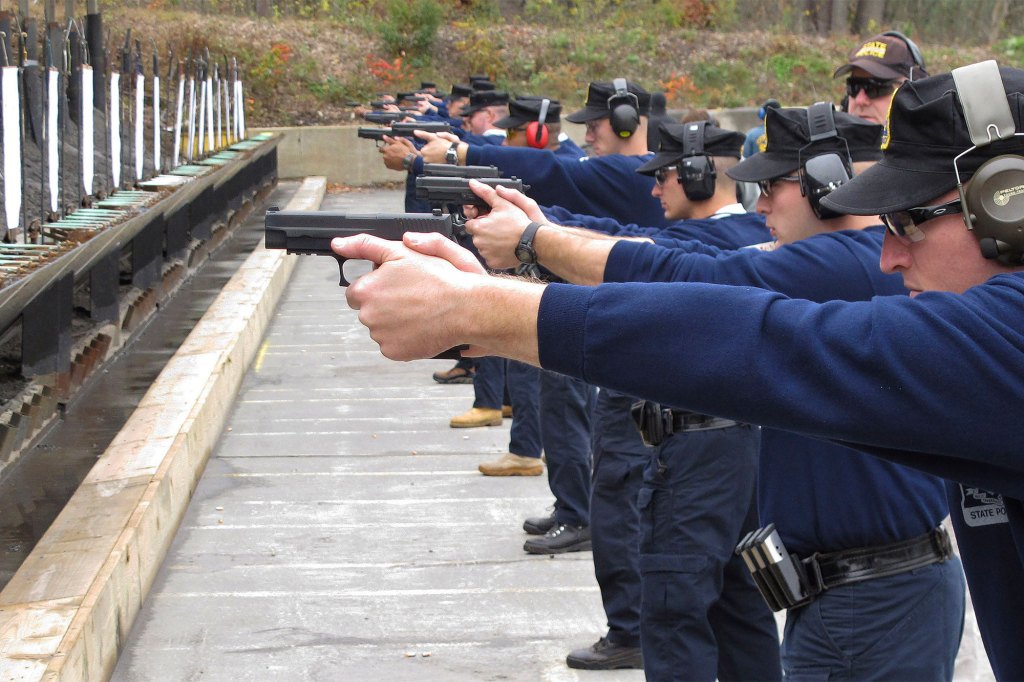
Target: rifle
x=456 y=190
x=311 y=232
x=446 y=170
x=400 y=129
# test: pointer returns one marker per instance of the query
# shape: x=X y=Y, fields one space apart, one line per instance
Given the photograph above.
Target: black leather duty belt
x=786 y=581
x=656 y=423
x=854 y=565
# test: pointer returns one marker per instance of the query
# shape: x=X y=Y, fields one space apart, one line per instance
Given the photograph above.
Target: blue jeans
x=903 y=627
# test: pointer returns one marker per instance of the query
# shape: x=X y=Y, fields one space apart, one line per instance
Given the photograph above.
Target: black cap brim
x=512 y=122
x=660 y=160
x=764 y=166
x=588 y=114
x=884 y=188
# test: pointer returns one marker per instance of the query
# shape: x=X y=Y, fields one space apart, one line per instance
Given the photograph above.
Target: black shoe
x=605 y=655
x=538 y=525
x=561 y=538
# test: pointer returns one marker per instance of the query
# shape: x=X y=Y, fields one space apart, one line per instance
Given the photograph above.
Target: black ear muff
x=696 y=171
x=821 y=174
x=624 y=109
x=918 y=70
x=537 y=131
x=993 y=199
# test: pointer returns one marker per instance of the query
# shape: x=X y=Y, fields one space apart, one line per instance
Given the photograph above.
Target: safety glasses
x=766 y=185
x=904 y=224
x=872 y=87
x=662 y=173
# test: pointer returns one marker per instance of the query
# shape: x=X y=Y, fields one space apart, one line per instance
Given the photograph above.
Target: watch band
x=409 y=159
x=452 y=155
x=524 y=250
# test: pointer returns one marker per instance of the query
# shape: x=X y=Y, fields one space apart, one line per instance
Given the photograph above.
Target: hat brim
x=512 y=122
x=884 y=188
x=763 y=166
x=588 y=114
x=872 y=66
x=660 y=160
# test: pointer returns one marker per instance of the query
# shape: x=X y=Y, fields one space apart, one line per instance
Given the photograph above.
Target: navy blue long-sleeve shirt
x=932 y=382
x=604 y=185
x=815 y=491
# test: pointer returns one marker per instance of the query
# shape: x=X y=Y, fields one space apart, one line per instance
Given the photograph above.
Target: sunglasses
x=661 y=174
x=904 y=224
x=766 y=185
x=872 y=87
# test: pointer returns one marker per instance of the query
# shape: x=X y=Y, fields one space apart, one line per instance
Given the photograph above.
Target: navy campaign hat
x=883 y=56
x=526 y=109
x=459 y=90
x=787 y=133
x=671 y=147
x=481 y=99
x=598 y=95
x=427 y=84
x=926 y=130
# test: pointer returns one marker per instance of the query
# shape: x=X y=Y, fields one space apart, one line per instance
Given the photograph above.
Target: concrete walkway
x=342 y=532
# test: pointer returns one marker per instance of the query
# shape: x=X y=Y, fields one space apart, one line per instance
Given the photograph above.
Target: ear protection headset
x=915 y=53
x=696 y=170
x=823 y=173
x=537 y=131
x=624 y=108
x=993 y=207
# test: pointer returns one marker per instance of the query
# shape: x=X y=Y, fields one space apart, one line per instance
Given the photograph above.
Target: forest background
x=310 y=61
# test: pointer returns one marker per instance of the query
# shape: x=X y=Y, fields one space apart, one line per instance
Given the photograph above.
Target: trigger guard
x=342 y=282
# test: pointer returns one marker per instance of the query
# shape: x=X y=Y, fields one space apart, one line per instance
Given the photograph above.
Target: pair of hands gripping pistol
x=311 y=232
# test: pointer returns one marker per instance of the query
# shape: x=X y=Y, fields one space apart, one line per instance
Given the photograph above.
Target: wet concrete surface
x=35 y=489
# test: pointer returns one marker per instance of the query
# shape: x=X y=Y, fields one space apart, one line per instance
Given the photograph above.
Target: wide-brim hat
x=926 y=130
x=526 y=109
x=672 y=145
x=598 y=95
x=788 y=143
x=481 y=99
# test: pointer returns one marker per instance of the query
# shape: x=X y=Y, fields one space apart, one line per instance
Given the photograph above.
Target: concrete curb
x=67 y=611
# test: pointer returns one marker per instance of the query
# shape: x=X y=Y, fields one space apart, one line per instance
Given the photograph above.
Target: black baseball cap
x=671 y=147
x=788 y=143
x=459 y=90
x=926 y=130
x=427 y=84
x=885 y=57
x=526 y=109
x=598 y=95
x=481 y=99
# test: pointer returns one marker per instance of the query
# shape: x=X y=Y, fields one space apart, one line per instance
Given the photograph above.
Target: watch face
x=526 y=255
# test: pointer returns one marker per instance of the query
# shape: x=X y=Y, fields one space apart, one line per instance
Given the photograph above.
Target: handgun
x=311 y=232
x=456 y=190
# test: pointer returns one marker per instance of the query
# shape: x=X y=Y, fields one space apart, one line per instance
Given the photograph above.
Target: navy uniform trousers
x=702 y=618
x=494 y=376
x=566 y=407
x=619 y=460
